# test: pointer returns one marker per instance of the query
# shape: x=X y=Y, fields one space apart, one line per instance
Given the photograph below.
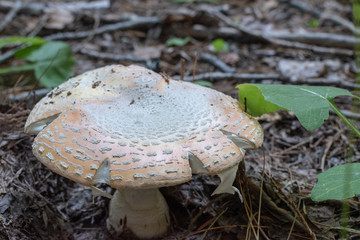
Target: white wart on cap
x=132 y=128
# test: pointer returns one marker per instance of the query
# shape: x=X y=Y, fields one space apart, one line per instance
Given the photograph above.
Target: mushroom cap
x=130 y=127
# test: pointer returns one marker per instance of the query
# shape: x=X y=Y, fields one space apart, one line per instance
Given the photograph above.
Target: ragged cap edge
x=232 y=129
x=227 y=178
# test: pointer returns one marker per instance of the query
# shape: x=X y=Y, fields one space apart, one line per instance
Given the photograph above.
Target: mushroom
x=137 y=131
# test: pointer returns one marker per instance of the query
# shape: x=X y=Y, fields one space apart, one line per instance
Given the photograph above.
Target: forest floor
x=289 y=42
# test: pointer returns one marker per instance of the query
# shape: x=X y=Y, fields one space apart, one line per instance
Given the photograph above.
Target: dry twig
x=113 y=57
x=11 y=15
x=132 y=23
x=322 y=39
x=319 y=14
x=294 y=208
x=317 y=38
x=260 y=37
x=327 y=149
x=213 y=60
x=219 y=76
x=40 y=7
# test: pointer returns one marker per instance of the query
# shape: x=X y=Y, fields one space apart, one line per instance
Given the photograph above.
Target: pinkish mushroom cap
x=132 y=128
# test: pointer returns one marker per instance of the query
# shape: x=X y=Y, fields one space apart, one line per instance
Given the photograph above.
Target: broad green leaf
x=21 y=40
x=52 y=62
x=177 y=41
x=43 y=52
x=338 y=183
x=310 y=104
x=220 y=45
x=56 y=70
x=255 y=102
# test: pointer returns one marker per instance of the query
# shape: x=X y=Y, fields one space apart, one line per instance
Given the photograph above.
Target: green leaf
x=42 y=52
x=338 y=183
x=52 y=62
x=220 y=45
x=56 y=68
x=21 y=40
x=310 y=104
x=177 y=41
x=255 y=102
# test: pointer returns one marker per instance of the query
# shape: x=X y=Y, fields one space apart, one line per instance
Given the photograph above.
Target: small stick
x=131 y=23
x=294 y=208
x=182 y=65
x=327 y=149
x=196 y=59
x=218 y=76
x=293 y=223
x=216 y=62
x=112 y=56
x=11 y=15
x=245 y=105
x=283 y=43
x=261 y=193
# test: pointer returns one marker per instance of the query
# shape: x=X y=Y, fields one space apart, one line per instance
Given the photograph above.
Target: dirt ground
x=290 y=42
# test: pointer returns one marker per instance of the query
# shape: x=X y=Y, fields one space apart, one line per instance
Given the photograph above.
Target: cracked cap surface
x=131 y=127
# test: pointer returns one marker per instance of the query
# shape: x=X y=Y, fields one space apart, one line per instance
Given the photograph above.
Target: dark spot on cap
x=96 y=84
x=57 y=93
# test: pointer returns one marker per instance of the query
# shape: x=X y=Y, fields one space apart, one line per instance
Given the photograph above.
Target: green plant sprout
x=51 y=61
x=220 y=45
x=313 y=23
x=179 y=42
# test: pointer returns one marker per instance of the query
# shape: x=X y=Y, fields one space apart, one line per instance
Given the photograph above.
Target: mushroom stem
x=144 y=211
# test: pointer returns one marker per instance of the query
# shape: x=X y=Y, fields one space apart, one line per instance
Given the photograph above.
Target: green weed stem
x=345 y=119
